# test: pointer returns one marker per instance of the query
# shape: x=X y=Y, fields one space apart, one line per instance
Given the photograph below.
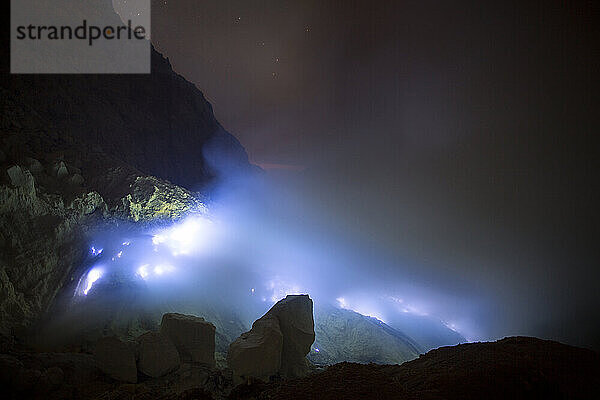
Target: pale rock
x=295 y=316
x=193 y=337
x=257 y=353
x=278 y=342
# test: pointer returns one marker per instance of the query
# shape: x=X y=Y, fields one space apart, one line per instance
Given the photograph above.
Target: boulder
x=116 y=359
x=295 y=316
x=257 y=353
x=193 y=337
x=158 y=355
x=278 y=342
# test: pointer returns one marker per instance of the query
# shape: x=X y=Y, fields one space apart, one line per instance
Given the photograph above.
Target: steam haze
x=439 y=152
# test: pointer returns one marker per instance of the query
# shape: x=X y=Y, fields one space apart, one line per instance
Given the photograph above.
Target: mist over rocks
x=47 y=222
x=83 y=152
x=92 y=153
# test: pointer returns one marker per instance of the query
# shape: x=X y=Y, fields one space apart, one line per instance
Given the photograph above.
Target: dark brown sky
x=457 y=134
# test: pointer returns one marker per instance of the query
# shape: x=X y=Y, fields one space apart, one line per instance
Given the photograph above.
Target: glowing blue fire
x=186 y=237
x=146 y=270
x=279 y=289
x=93 y=275
x=183 y=252
x=365 y=309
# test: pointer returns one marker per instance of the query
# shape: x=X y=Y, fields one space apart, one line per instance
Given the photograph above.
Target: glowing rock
x=193 y=336
x=153 y=198
x=116 y=359
x=158 y=355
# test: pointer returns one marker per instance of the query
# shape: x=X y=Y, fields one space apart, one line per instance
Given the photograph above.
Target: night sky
x=456 y=135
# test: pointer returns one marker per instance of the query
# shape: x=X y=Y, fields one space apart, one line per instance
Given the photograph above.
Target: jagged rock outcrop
x=278 y=342
x=39 y=243
x=79 y=150
x=193 y=337
x=46 y=220
x=116 y=359
x=151 y=198
x=158 y=355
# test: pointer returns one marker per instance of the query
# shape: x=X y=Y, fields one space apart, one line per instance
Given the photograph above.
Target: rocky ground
x=512 y=368
x=175 y=361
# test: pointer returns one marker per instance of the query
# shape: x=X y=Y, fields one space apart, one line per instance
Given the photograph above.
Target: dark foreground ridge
x=512 y=368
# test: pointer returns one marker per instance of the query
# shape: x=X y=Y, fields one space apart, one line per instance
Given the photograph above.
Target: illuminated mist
x=258 y=242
